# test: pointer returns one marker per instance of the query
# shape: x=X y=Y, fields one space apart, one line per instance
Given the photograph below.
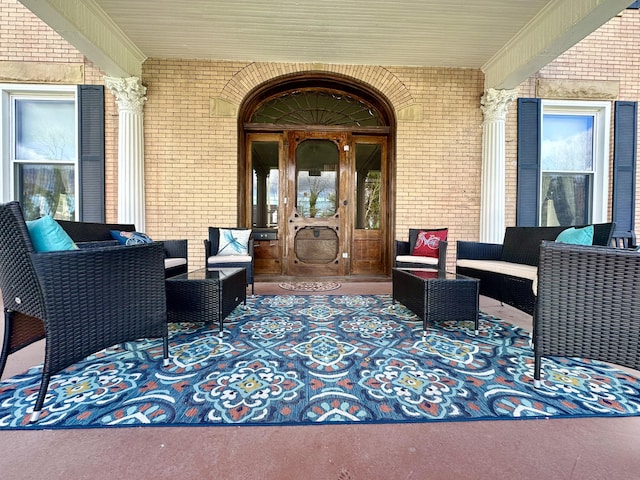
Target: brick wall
x=191 y=156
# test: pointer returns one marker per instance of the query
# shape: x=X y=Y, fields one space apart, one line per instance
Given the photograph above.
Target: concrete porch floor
x=582 y=449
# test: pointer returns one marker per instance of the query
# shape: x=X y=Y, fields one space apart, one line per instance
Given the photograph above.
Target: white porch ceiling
x=507 y=39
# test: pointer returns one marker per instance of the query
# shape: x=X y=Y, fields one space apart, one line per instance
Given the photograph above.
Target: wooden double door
x=319 y=203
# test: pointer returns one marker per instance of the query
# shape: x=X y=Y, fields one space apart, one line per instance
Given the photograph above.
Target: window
x=563 y=162
x=53 y=150
x=574 y=162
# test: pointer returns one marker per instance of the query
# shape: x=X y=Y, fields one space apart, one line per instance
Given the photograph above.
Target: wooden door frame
x=339 y=83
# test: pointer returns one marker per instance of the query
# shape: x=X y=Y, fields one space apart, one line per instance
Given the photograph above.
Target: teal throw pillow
x=130 y=238
x=577 y=236
x=234 y=242
x=48 y=236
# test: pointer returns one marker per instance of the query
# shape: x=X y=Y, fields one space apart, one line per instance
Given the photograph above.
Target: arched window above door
x=317 y=107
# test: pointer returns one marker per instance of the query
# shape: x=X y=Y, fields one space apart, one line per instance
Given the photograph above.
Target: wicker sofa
x=588 y=305
x=88 y=234
x=507 y=271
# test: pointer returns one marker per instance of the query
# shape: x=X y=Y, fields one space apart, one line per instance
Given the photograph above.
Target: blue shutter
x=91 y=152
x=528 y=189
x=624 y=168
x=635 y=4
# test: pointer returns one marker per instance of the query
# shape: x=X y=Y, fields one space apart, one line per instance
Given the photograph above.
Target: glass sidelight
x=368 y=179
x=264 y=156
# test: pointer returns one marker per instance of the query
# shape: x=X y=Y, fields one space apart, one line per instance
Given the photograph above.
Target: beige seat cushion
x=229 y=259
x=174 y=262
x=417 y=259
x=529 y=272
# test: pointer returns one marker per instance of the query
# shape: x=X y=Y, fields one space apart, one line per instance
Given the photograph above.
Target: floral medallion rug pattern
x=292 y=359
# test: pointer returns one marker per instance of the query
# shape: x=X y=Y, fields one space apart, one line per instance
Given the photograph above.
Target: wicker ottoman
x=435 y=295
x=205 y=295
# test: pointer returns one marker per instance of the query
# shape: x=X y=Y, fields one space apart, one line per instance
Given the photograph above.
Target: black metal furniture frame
x=435 y=295
x=588 y=305
x=79 y=301
x=205 y=295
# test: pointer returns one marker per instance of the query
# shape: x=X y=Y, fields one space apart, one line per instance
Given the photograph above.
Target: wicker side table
x=436 y=295
x=205 y=295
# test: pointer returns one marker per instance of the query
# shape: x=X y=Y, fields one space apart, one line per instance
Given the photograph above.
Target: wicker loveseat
x=588 y=305
x=88 y=234
x=508 y=271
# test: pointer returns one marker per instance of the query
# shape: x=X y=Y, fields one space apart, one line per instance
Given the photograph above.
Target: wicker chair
x=79 y=301
x=588 y=305
x=403 y=249
x=213 y=260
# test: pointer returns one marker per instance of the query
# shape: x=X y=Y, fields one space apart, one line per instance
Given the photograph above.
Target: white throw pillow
x=233 y=242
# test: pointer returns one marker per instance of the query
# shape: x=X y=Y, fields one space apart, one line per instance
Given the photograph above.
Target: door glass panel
x=368 y=175
x=317 y=178
x=264 y=161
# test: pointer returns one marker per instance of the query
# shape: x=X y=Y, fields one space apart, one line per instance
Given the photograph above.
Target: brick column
x=494 y=105
x=129 y=93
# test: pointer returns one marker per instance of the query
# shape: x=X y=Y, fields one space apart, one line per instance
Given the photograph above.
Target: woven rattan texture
x=88 y=299
x=588 y=304
x=437 y=299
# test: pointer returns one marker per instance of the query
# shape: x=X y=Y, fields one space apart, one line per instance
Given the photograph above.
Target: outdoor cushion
x=519 y=270
x=576 y=236
x=229 y=259
x=428 y=242
x=48 y=236
x=234 y=242
x=130 y=238
x=417 y=259
x=174 y=262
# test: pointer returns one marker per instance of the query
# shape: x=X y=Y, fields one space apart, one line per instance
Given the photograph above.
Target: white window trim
x=601 y=112
x=9 y=91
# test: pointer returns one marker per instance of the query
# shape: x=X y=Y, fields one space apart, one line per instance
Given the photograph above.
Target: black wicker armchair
x=588 y=305
x=79 y=301
x=214 y=260
x=403 y=257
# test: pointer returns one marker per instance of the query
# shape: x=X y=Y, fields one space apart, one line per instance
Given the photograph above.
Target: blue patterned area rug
x=320 y=359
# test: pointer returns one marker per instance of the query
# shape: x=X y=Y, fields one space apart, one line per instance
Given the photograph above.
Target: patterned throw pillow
x=130 y=238
x=428 y=243
x=234 y=242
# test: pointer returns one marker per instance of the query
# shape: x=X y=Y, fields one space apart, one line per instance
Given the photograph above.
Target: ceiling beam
x=89 y=29
x=558 y=27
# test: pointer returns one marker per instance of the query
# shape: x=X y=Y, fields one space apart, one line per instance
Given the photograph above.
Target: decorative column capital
x=495 y=103
x=129 y=93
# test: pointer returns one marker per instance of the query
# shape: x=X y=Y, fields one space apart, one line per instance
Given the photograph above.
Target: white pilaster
x=130 y=98
x=494 y=105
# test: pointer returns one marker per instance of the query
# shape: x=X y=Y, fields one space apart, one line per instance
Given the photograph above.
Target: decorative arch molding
x=254 y=74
